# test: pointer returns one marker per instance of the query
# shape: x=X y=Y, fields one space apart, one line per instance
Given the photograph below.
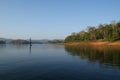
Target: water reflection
x=22 y=46
x=30 y=50
x=2 y=45
x=107 y=56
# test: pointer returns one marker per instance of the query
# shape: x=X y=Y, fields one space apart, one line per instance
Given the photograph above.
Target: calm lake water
x=57 y=62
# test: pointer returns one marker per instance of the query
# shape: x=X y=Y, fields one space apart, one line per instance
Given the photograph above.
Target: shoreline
x=93 y=43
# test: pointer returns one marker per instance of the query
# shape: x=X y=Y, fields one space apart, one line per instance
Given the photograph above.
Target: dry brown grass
x=94 y=43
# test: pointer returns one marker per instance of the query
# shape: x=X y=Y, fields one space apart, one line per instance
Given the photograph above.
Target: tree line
x=108 y=32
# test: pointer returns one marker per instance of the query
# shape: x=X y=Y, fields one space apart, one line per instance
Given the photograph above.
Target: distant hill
x=7 y=40
x=45 y=41
x=55 y=41
x=36 y=42
x=19 y=41
x=2 y=38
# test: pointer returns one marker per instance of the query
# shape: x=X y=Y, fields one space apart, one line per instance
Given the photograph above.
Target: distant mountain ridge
x=5 y=39
x=41 y=41
x=19 y=41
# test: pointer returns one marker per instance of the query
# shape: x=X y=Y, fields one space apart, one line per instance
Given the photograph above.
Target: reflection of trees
x=2 y=45
x=104 y=55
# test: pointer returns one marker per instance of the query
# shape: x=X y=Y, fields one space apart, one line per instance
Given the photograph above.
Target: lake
x=58 y=62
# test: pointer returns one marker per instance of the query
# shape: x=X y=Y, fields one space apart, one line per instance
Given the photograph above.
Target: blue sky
x=53 y=19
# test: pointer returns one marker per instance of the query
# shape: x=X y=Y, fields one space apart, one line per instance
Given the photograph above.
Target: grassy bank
x=94 y=43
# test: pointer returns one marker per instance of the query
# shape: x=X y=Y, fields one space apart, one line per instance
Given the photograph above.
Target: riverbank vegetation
x=103 y=32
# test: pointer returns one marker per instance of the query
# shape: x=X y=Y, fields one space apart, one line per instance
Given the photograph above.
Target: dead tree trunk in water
x=30 y=42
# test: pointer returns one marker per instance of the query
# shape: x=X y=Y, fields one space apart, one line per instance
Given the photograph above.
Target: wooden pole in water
x=30 y=42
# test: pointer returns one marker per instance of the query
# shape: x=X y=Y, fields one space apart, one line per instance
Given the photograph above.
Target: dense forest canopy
x=108 y=32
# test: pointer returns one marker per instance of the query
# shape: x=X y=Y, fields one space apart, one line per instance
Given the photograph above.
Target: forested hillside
x=107 y=32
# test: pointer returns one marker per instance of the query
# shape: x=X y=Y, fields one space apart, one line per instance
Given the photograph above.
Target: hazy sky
x=53 y=19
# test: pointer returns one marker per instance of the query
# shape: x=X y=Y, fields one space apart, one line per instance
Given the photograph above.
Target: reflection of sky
x=13 y=52
x=49 y=62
